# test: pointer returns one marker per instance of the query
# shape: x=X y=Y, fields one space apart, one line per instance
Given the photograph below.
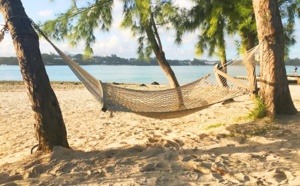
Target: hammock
x=161 y=104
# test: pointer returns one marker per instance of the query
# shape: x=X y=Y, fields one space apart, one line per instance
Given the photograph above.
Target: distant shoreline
x=52 y=59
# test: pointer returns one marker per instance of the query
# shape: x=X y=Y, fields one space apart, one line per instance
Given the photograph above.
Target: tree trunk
x=49 y=125
x=163 y=63
x=161 y=59
x=223 y=64
x=249 y=61
x=274 y=87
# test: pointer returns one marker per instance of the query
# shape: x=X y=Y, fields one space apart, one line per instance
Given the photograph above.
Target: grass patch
x=259 y=111
x=214 y=126
x=245 y=131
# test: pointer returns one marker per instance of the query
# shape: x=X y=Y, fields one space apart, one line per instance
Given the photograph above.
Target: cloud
x=45 y=13
x=6 y=47
x=184 y=4
x=117 y=14
x=115 y=43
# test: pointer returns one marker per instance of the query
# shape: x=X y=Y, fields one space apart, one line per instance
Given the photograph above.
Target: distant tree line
x=53 y=59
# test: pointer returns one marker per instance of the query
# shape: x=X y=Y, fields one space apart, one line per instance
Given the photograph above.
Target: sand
x=214 y=146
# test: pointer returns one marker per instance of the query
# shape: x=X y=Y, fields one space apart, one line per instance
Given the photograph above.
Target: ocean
x=122 y=74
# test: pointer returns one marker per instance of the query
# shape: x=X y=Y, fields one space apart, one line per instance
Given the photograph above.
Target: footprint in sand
x=189 y=176
x=148 y=168
x=167 y=131
x=162 y=180
x=276 y=176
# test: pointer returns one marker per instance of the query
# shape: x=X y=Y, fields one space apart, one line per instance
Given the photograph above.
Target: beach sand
x=214 y=146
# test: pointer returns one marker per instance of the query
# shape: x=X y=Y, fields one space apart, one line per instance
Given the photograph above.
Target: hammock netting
x=168 y=103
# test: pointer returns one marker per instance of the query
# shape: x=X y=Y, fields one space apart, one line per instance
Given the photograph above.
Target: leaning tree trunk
x=223 y=60
x=161 y=59
x=49 y=125
x=274 y=87
x=163 y=63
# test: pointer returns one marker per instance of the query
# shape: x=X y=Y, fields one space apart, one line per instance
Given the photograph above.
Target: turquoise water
x=109 y=73
x=123 y=74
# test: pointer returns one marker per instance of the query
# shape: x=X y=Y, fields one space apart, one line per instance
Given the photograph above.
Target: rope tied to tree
x=33 y=24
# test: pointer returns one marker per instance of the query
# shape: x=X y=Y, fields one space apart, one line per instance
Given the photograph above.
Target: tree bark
x=163 y=63
x=49 y=125
x=274 y=87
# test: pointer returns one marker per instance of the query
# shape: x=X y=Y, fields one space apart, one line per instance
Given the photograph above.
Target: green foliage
x=241 y=21
x=78 y=23
x=135 y=18
x=259 y=110
x=214 y=19
x=210 y=17
x=143 y=17
x=214 y=126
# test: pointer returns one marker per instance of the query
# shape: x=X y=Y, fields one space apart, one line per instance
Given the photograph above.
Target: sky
x=118 y=40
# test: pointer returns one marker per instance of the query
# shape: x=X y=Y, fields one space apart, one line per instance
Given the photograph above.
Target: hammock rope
x=160 y=104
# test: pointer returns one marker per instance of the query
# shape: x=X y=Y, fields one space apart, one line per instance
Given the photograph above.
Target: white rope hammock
x=170 y=103
x=160 y=104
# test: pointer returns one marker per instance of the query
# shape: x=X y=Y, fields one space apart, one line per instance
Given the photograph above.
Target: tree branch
x=156 y=32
